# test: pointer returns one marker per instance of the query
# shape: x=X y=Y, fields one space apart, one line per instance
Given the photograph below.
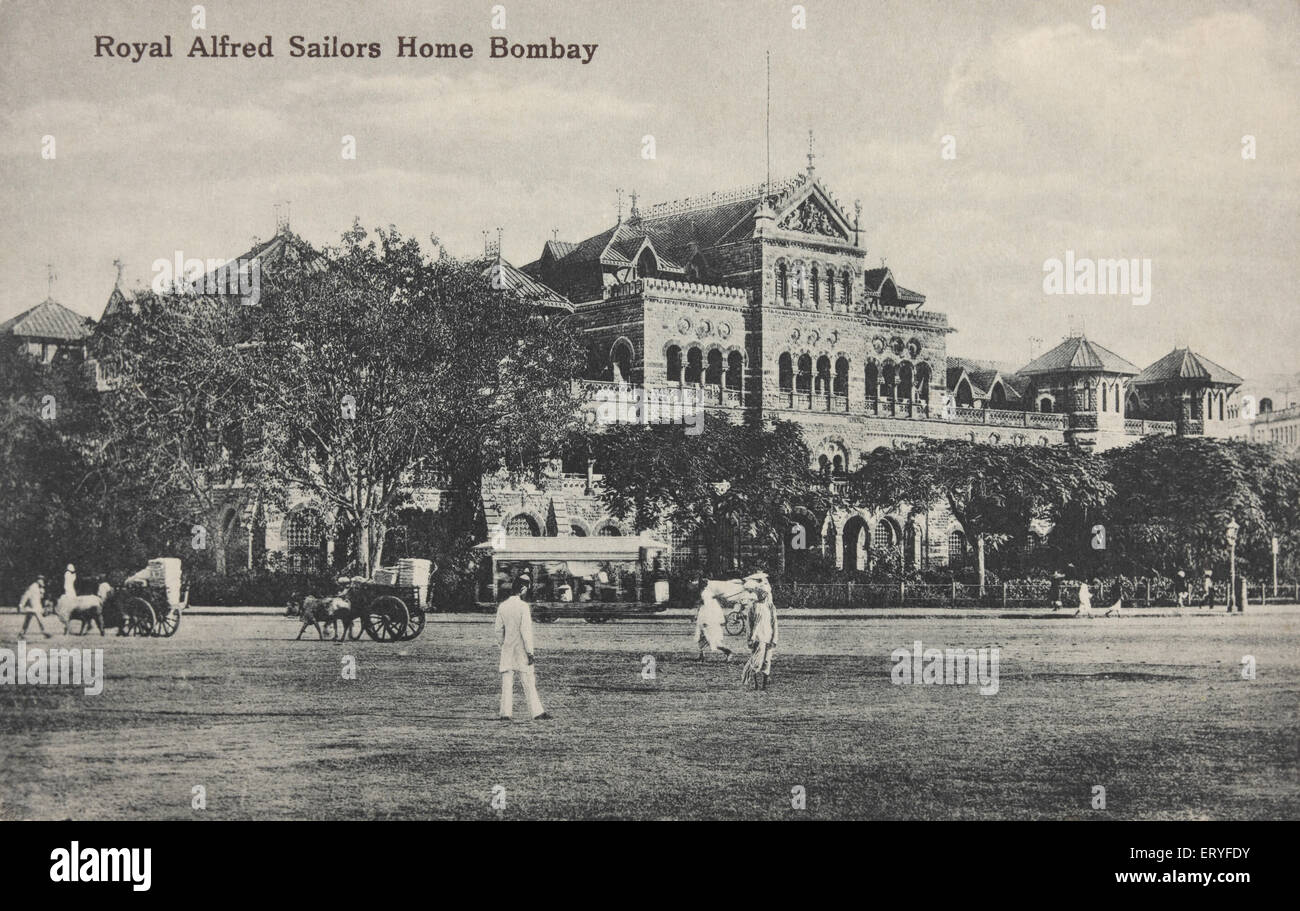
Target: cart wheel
x=168 y=623
x=735 y=623
x=416 y=624
x=138 y=617
x=385 y=619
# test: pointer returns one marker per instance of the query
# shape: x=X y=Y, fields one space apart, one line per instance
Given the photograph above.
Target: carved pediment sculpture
x=811 y=217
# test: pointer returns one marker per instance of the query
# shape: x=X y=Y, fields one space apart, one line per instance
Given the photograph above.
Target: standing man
x=1208 y=596
x=31 y=606
x=762 y=630
x=514 y=627
x=1180 y=588
x=70 y=581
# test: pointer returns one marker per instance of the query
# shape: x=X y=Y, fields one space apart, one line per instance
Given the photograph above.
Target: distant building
x=49 y=329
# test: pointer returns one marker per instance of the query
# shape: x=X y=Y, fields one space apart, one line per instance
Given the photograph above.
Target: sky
x=1117 y=142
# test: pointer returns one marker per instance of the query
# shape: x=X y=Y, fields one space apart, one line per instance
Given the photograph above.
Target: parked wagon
x=595 y=578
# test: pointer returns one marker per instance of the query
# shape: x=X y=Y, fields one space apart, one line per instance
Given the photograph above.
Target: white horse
x=86 y=608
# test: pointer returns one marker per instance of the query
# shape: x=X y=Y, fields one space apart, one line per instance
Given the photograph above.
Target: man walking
x=514 y=627
x=31 y=606
x=1208 y=596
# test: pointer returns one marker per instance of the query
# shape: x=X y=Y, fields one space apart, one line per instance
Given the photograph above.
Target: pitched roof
x=48 y=320
x=1078 y=355
x=512 y=279
x=676 y=230
x=1186 y=364
x=984 y=374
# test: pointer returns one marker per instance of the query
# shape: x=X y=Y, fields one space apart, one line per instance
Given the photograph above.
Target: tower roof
x=48 y=320
x=1079 y=355
x=1186 y=364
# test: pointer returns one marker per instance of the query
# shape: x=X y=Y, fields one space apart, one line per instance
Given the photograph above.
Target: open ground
x=1153 y=709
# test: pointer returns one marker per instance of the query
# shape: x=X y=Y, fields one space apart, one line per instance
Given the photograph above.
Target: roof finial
x=634 y=214
x=555 y=234
x=50 y=276
x=118 y=264
x=811 y=155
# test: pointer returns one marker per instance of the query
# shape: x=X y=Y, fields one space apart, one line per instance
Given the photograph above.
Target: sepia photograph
x=680 y=410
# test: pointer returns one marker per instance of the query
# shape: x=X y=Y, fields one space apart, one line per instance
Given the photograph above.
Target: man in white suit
x=514 y=627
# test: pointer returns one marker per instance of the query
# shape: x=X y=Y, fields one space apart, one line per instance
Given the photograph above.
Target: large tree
x=1175 y=497
x=372 y=365
x=750 y=473
x=995 y=492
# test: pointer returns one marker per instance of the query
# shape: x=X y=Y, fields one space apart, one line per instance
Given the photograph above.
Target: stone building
x=762 y=302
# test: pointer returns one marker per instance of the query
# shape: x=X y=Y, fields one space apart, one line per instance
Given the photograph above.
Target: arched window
x=800 y=283
x=956 y=548
x=1221 y=398
x=803 y=383
x=923 y=382
x=694 y=365
x=713 y=375
x=782 y=282
x=883 y=537
x=842 y=376
x=735 y=370
x=837 y=466
x=998 y=396
x=847 y=281
x=823 y=383
x=577 y=531
x=965 y=397
x=609 y=531
x=814 y=284
x=905 y=382
x=1265 y=406
x=873 y=381
x=674 y=364
x=621 y=357
x=522 y=526
x=1105 y=393
x=830 y=287
x=645 y=265
x=306 y=536
x=1045 y=405
x=785 y=373
x=889 y=381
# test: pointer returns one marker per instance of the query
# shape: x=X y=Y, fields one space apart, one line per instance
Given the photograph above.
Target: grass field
x=1154 y=710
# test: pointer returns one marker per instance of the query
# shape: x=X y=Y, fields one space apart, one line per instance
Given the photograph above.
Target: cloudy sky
x=1117 y=142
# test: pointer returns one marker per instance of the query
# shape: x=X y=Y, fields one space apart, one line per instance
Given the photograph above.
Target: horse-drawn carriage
x=149 y=603
x=144 y=610
x=598 y=578
x=386 y=612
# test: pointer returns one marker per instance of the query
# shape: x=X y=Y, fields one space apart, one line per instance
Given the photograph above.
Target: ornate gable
x=812 y=215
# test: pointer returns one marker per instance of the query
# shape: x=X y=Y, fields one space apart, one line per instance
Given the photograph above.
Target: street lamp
x=1231 y=533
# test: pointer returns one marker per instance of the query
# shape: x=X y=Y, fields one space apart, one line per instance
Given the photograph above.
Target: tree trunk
x=979 y=558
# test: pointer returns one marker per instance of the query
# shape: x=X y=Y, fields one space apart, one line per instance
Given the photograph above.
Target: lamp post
x=1275 y=566
x=1231 y=534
